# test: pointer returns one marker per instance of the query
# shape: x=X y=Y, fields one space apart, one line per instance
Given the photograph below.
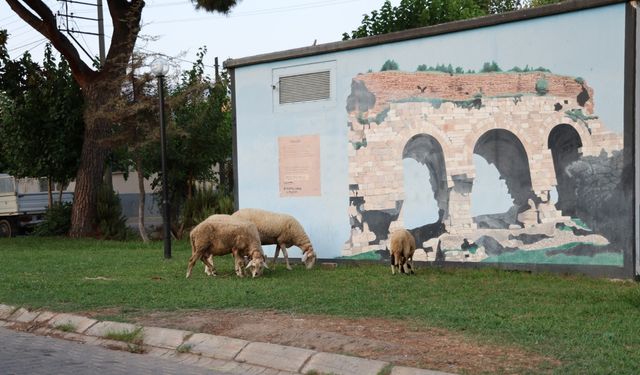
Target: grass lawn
x=592 y=326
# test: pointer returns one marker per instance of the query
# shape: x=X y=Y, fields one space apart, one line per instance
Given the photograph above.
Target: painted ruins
x=537 y=128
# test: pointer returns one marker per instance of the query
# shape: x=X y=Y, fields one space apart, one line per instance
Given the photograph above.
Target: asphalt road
x=28 y=354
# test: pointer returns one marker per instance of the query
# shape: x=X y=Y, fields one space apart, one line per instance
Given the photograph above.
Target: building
x=506 y=140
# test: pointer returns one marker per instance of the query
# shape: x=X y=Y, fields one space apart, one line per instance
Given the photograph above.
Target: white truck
x=21 y=210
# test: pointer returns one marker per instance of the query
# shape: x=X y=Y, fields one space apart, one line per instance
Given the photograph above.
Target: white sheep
x=221 y=235
x=402 y=245
x=281 y=230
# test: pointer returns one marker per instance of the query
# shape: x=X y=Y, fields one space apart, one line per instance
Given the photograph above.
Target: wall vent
x=306 y=87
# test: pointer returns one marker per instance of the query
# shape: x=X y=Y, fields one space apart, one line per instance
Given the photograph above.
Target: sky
x=174 y=28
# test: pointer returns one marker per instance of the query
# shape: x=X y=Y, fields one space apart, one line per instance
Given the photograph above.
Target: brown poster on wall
x=299 y=159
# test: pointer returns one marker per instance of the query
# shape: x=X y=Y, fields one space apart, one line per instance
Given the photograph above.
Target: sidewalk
x=218 y=353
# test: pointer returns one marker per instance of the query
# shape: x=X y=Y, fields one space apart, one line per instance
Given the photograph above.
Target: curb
x=220 y=353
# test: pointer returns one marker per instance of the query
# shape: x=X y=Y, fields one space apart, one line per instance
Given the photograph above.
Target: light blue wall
x=588 y=44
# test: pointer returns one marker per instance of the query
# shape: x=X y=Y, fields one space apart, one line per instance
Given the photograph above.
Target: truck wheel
x=5 y=228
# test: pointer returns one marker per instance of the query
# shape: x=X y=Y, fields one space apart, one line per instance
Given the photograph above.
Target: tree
x=41 y=119
x=98 y=89
x=199 y=134
x=410 y=14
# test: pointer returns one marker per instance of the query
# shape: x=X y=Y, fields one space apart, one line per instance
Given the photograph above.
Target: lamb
x=402 y=246
x=281 y=230
x=221 y=235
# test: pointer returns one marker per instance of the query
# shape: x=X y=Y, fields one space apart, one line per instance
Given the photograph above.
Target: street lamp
x=160 y=67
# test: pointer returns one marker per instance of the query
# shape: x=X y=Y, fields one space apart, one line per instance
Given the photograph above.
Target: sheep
x=281 y=230
x=221 y=235
x=402 y=246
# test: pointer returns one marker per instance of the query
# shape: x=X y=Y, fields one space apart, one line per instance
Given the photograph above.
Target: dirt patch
x=401 y=343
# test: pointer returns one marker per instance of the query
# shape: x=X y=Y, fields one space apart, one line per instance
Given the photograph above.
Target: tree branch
x=40 y=17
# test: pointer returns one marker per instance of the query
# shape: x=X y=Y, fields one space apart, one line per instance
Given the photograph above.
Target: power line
x=39 y=41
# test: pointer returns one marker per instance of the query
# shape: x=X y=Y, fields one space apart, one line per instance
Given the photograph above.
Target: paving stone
x=165 y=337
x=103 y=329
x=279 y=357
x=44 y=316
x=400 y=370
x=23 y=315
x=215 y=346
x=6 y=311
x=342 y=365
x=79 y=323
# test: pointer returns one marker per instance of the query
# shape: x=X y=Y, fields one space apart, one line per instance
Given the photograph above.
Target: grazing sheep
x=221 y=235
x=402 y=245
x=281 y=230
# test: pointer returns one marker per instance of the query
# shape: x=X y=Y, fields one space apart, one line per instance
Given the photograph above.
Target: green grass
x=67 y=327
x=132 y=337
x=590 y=325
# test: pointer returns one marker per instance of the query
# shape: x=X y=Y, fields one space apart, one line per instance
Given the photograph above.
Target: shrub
x=490 y=67
x=112 y=224
x=204 y=203
x=542 y=86
x=57 y=220
x=389 y=65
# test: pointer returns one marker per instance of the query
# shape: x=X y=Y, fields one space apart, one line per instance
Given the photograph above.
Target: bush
x=57 y=220
x=389 y=65
x=204 y=203
x=542 y=86
x=112 y=224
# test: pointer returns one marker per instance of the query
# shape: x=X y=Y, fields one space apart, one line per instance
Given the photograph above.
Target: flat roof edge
x=421 y=32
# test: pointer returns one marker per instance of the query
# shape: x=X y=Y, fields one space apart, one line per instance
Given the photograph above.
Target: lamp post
x=160 y=67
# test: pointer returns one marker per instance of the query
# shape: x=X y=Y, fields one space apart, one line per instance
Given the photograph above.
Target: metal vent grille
x=305 y=87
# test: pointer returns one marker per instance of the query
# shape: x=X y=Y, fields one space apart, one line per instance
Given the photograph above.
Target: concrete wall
x=375 y=121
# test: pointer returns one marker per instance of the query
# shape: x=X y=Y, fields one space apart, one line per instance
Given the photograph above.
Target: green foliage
x=204 y=203
x=389 y=65
x=578 y=115
x=542 y=86
x=410 y=14
x=527 y=69
x=441 y=68
x=490 y=67
x=41 y=118
x=112 y=224
x=66 y=327
x=57 y=220
x=199 y=135
x=587 y=324
x=132 y=337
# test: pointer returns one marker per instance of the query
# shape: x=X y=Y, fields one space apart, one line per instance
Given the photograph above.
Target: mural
x=560 y=164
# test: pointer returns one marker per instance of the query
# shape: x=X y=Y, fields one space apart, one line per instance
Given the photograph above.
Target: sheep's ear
x=265 y=265
x=304 y=256
x=249 y=264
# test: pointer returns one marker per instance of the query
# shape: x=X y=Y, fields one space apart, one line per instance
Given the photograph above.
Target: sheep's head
x=257 y=264
x=309 y=257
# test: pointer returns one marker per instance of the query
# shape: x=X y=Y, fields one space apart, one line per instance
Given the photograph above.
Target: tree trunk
x=141 y=228
x=49 y=192
x=92 y=159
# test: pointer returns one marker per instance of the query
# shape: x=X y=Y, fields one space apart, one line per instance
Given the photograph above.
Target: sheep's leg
x=238 y=262
x=275 y=256
x=209 y=268
x=286 y=256
x=403 y=264
x=410 y=265
x=395 y=263
x=192 y=262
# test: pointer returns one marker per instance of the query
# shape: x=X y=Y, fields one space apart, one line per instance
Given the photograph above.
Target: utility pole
x=68 y=19
x=217 y=66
